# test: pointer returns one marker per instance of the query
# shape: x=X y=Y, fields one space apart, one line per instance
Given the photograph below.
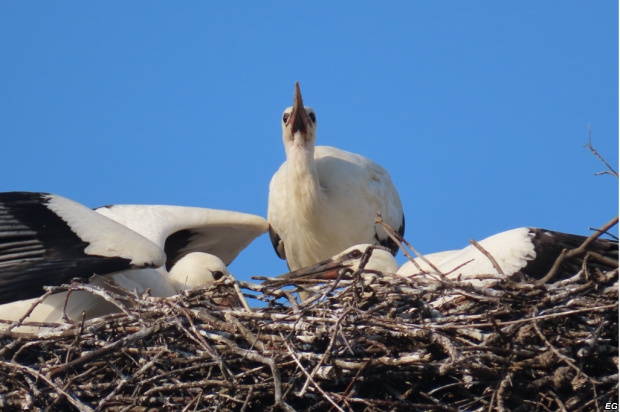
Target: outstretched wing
x=47 y=240
x=181 y=230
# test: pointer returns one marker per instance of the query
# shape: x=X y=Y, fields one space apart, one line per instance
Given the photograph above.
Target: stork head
x=377 y=259
x=196 y=269
x=298 y=123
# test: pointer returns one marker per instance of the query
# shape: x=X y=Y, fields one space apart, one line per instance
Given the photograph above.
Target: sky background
x=479 y=110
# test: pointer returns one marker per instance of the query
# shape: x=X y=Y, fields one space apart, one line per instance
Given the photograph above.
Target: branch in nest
x=576 y=252
x=399 y=240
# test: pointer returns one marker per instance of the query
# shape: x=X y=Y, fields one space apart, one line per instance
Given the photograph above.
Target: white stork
x=526 y=250
x=48 y=240
x=323 y=200
x=529 y=251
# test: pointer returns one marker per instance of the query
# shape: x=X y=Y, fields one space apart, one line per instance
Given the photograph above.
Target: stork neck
x=302 y=175
x=304 y=189
x=305 y=197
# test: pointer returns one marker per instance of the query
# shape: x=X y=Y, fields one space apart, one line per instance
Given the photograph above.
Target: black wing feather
x=549 y=245
x=278 y=244
x=38 y=248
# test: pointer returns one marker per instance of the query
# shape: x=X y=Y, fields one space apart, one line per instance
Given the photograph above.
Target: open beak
x=299 y=117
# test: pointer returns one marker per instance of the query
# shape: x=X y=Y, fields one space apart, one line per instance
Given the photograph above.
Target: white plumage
x=512 y=250
x=48 y=240
x=323 y=200
x=528 y=251
x=180 y=230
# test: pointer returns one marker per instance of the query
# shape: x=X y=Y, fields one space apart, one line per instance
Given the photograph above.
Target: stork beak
x=327 y=270
x=299 y=117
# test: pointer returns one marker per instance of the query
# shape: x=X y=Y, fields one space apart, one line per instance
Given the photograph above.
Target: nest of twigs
x=389 y=344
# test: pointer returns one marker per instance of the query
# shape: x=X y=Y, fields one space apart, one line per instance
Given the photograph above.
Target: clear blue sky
x=479 y=110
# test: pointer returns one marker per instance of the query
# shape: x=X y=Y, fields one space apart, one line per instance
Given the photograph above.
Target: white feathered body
x=317 y=218
x=512 y=250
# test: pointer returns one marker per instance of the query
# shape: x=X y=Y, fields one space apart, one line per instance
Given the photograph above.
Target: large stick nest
x=388 y=344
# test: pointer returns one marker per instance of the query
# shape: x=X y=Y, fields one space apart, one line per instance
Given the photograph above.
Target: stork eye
x=312 y=117
x=286 y=117
x=218 y=274
x=355 y=254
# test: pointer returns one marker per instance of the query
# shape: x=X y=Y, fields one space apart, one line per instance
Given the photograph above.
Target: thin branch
x=79 y=405
x=393 y=234
x=90 y=356
x=489 y=256
x=309 y=377
x=576 y=252
x=595 y=152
